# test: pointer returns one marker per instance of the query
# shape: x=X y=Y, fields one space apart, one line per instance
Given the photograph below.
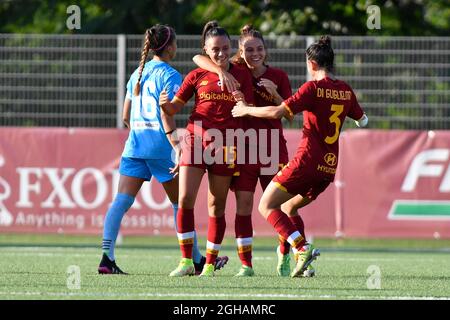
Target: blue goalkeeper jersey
x=147 y=139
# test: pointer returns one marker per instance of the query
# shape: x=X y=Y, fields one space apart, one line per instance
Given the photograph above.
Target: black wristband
x=169 y=132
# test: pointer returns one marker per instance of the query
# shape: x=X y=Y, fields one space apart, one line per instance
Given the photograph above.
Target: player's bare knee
x=288 y=208
x=244 y=207
x=216 y=206
x=216 y=211
x=186 y=202
x=263 y=209
x=244 y=199
x=171 y=188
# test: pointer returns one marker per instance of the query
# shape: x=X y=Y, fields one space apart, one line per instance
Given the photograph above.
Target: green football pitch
x=65 y=267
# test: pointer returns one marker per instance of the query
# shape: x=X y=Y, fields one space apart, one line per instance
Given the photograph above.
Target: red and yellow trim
x=176 y=99
x=212 y=252
x=187 y=241
x=243 y=249
x=290 y=116
x=281 y=187
x=297 y=241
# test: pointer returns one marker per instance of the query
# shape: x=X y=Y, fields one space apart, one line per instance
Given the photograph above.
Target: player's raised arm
x=269 y=112
x=226 y=79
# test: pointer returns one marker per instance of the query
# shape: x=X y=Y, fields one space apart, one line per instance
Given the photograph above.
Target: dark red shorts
x=250 y=173
x=199 y=153
x=303 y=179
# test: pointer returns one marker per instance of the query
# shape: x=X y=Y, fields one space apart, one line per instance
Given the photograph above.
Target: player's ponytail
x=212 y=29
x=247 y=31
x=325 y=41
x=322 y=52
x=144 y=54
x=156 y=39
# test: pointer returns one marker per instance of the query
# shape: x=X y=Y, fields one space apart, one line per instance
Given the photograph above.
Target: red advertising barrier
x=388 y=184
x=395 y=183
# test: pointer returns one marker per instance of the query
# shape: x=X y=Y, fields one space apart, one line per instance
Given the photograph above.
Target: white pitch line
x=51 y=249
x=50 y=254
x=214 y=295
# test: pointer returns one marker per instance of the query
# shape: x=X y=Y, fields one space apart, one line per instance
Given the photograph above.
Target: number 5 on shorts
x=230 y=156
x=337 y=108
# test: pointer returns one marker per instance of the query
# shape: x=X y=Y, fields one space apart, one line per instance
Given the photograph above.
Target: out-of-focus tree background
x=308 y=17
x=51 y=75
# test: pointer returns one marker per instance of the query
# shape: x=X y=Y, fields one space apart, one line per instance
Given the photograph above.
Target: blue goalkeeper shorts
x=146 y=168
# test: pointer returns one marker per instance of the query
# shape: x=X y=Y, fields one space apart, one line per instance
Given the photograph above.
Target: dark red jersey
x=277 y=76
x=212 y=105
x=325 y=104
x=264 y=98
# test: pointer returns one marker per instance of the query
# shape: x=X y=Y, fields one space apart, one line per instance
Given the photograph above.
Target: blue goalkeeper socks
x=196 y=255
x=122 y=202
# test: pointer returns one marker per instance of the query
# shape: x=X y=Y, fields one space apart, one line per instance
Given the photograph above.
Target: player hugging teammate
x=313 y=168
x=242 y=94
x=270 y=86
x=211 y=116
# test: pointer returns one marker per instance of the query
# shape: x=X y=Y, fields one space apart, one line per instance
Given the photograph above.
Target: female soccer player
x=270 y=86
x=212 y=110
x=325 y=102
x=147 y=151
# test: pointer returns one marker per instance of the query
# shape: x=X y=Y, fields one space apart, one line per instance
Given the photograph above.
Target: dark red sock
x=244 y=238
x=185 y=227
x=216 y=232
x=285 y=247
x=285 y=228
x=298 y=222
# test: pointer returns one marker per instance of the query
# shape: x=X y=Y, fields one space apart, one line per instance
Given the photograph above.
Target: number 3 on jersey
x=337 y=108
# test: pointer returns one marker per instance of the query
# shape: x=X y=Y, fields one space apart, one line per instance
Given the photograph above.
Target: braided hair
x=156 y=39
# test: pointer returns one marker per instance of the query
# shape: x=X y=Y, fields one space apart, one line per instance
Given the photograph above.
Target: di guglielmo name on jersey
x=334 y=94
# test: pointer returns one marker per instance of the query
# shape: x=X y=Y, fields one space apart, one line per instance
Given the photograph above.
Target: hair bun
x=212 y=24
x=325 y=40
x=246 y=29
